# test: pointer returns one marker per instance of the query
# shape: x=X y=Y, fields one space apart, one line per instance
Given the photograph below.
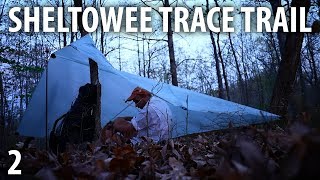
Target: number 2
x=12 y=170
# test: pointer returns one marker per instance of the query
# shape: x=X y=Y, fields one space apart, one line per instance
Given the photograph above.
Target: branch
x=142 y=38
x=152 y=8
x=113 y=49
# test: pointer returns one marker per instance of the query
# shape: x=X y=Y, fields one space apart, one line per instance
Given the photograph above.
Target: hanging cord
x=158 y=87
x=122 y=111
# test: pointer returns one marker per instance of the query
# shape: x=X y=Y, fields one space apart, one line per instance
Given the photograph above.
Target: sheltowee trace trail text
x=138 y=19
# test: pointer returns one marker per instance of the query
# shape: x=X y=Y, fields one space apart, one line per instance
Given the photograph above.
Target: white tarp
x=70 y=70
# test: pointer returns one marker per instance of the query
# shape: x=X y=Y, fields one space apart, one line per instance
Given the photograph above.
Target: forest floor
x=254 y=152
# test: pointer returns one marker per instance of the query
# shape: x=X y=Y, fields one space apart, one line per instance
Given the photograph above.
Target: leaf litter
x=252 y=152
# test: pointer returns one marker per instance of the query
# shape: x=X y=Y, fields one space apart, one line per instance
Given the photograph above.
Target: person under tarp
x=152 y=121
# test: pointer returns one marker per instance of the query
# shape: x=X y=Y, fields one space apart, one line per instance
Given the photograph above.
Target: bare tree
x=101 y=34
x=173 y=66
x=216 y=59
x=78 y=3
x=119 y=52
x=240 y=80
x=143 y=56
x=289 y=64
x=244 y=67
x=64 y=24
x=224 y=72
x=312 y=60
x=138 y=55
x=280 y=34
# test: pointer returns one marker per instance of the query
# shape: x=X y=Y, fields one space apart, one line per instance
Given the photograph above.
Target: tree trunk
x=246 y=101
x=261 y=93
x=240 y=80
x=78 y=3
x=26 y=88
x=289 y=65
x=301 y=79
x=274 y=46
x=72 y=35
x=216 y=59
x=144 y=56
x=59 y=37
x=280 y=34
x=173 y=66
x=224 y=73
x=64 y=25
x=138 y=55
x=119 y=53
x=102 y=41
x=312 y=61
x=21 y=80
x=220 y=85
x=101 y=34
x=149 y=60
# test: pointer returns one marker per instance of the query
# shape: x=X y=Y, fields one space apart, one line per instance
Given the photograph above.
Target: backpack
x=78 y=124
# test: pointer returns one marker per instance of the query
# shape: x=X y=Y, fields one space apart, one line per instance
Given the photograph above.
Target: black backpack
x=78 y=124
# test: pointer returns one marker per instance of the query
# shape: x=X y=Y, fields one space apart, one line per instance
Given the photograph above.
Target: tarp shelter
x=69 y=70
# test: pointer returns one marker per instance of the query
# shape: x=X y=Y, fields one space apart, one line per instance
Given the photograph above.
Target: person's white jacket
x=154 y=120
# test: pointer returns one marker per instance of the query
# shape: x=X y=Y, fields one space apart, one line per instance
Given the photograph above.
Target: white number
x=12 y=169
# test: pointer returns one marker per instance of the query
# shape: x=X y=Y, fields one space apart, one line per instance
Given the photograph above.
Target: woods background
x=278 y=72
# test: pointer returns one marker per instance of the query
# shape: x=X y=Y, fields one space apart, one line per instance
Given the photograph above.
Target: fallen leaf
x=164 y=151
x=177 y=166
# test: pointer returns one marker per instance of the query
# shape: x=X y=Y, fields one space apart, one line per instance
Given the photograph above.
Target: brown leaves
x=177 y=167
x=125 y=160
x=108 y=135
x=238 y=153
x=303 y=158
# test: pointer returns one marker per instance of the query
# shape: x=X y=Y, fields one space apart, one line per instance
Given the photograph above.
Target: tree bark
x=280 y=34
x=64 y=25
x=138 y=55
x=261 y=93
x=246 y=102
x=220 y=85
x=216 y=59
x=289 y=65
x=94 y=77
x=224 y=73
x=173 y=66
x=102 y=41
x=149 y=60
x=240 y=80
x=119 y=53
x=144 y=56
x=312 y=61
x=78 y=3
x=278 y=56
